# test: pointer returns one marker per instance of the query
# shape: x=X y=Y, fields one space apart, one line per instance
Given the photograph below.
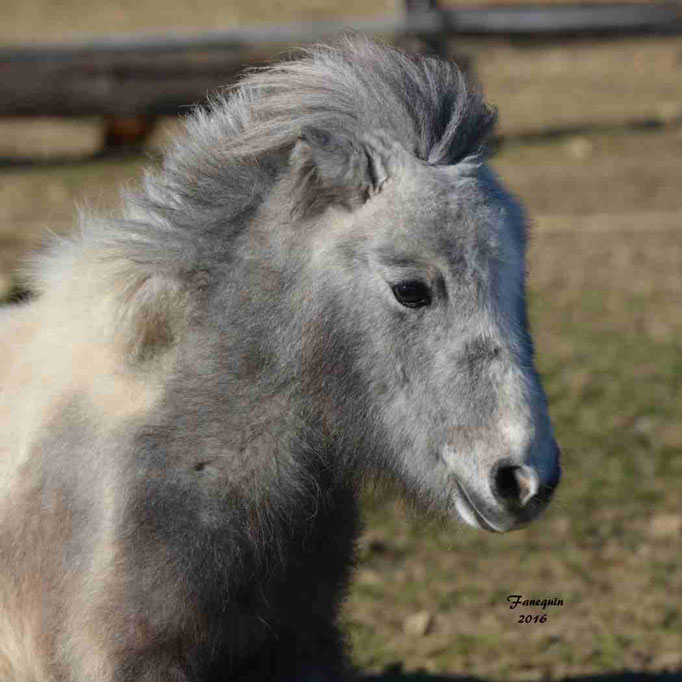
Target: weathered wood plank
x=102 y=86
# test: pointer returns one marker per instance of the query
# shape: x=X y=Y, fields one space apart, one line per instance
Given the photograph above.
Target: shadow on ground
x=396 y=675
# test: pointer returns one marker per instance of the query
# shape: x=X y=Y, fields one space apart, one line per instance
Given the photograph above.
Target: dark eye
x=412 y=294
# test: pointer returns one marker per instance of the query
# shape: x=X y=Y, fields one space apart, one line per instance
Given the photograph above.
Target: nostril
x=516 y=484
x=505 y=483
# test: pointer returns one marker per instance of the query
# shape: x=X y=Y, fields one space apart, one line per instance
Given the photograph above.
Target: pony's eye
x=412 y=294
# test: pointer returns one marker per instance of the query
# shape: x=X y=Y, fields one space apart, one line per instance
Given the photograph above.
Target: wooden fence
x=135 y=78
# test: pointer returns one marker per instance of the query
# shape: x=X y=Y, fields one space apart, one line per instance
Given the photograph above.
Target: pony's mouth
x=470 y=514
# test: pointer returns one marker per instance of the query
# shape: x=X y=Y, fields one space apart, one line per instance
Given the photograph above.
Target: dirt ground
x=430 y=600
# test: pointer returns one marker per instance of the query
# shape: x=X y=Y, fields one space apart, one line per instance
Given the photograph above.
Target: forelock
x=356 y=86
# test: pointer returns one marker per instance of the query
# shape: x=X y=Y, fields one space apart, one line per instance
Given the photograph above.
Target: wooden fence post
x=434 y=43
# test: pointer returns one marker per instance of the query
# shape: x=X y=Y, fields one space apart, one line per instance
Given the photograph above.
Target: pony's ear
x=331 y=168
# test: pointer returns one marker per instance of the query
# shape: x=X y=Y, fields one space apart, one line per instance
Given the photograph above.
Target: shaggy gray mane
x=215 y=176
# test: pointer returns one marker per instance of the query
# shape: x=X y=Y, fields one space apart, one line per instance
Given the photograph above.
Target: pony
x=322 y=283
